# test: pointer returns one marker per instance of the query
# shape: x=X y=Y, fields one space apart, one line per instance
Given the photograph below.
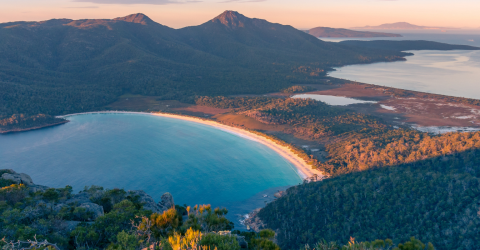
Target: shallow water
x=197 y=163
x=454 y=73
x=332 y=100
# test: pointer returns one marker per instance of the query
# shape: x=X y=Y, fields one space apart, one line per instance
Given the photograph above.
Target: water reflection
x=332 y=100
x=454 y=73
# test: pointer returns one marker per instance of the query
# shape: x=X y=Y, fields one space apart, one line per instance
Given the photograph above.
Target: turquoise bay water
x=198 y=164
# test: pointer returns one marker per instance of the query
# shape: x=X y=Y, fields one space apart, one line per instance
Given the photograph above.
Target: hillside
x=408 y=45
x=402 y=26
x=65 y=66
x=332 y=32
x=435 y=200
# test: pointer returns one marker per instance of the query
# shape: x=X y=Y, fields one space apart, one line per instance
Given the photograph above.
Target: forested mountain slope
x=63 y=66
x=435 y=200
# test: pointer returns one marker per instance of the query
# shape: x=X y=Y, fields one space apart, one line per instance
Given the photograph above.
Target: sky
x=301 y=14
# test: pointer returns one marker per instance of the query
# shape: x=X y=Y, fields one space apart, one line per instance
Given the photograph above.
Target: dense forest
x=38 y=217
x=64 y=66
x=435 y=200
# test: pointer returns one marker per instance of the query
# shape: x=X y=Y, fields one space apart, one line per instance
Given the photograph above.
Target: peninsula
x=335 y=32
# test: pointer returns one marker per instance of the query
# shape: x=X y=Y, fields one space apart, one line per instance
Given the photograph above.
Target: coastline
x=302 y=168
x=32 y=128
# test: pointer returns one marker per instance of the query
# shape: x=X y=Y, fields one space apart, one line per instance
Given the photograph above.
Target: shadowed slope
x=62 y=66
x=435 y=200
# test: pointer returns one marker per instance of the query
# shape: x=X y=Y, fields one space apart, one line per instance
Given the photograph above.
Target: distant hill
x=402 y=26
x=332 y=32
x=408 y=45
x=65 y=66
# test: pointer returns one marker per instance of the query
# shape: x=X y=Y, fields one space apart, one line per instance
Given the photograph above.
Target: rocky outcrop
x=94 y=209
x=253 y=222
x=35 y=188
x=166 y=201
x=79 y=198
x=280 y=193
x=16 y=177
x=147 y=200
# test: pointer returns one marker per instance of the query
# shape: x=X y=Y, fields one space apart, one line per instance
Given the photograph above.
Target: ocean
x=196 y=163
x=454 y=73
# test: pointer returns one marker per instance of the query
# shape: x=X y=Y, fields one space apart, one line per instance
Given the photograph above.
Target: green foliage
x=436 y=200
x=221 y=242
x=236 y=102
x=25 y=215
x=125 y=241
x=414 y=244
x=13 y=194
x=387 y=244
x=262 y=240
x=206 y=219
x=51 y=194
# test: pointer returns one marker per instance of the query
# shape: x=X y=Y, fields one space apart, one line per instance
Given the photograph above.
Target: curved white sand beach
x=303 y=169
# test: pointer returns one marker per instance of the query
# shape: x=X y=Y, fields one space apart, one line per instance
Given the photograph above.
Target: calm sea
x=198 y=164
x=455 y=73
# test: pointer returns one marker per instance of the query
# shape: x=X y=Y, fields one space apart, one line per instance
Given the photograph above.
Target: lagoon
x=197 y=163
x=453 y=73
x=332 y=100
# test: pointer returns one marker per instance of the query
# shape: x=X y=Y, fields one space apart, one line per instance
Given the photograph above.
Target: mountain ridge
x=63 y=66
x=403 y=25
x=338 y=32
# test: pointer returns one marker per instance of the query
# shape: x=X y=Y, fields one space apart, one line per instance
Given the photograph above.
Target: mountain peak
x=135 y=18
x=231 y=19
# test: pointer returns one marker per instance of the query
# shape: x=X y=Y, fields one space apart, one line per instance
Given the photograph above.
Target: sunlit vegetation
x=297 y=89
x=41 y=219
x=360 y=142
x=20 y=121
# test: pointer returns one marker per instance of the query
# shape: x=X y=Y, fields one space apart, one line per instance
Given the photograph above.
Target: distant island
x=333 y=32
x=402 y=26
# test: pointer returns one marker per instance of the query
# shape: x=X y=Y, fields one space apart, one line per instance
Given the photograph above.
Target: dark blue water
x=198 y=164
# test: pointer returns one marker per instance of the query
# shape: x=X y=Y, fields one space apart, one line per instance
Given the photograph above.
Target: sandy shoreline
x=302 y=168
